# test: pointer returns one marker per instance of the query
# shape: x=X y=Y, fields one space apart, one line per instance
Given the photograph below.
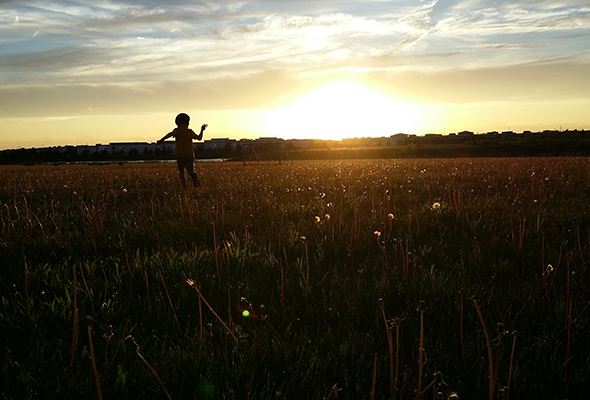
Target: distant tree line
x=462 y=144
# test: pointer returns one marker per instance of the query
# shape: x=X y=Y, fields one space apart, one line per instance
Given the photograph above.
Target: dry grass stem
x=149 y=367
x=93 y=364
x=491 y=373
x=193 y=284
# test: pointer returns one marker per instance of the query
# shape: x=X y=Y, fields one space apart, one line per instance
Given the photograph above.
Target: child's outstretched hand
x=203 y=127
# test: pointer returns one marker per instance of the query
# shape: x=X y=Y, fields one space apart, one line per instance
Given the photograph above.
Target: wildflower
x=327 y=217
x=302 y=238
x=124 y=190
x=377 y=233
x=436 y=205
x=390 y=216
x=317 y=219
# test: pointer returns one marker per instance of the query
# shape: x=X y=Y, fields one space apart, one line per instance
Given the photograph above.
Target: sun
x=342 y=109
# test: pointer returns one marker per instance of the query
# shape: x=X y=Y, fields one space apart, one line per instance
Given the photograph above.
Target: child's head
x=182 y=119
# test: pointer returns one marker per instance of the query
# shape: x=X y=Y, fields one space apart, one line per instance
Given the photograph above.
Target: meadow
x=366 y=279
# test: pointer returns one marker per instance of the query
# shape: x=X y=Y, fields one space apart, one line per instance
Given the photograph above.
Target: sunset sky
x=85 y=72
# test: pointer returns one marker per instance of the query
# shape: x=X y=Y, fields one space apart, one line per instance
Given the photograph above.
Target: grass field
x=360 y=279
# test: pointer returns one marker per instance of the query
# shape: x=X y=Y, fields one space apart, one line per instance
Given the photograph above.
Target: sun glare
x=342 y=109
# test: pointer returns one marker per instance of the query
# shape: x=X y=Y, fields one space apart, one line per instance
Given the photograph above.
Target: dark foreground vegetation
x=376 y=279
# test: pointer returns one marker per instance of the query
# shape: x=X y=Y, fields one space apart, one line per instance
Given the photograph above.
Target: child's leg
x=181 y=172
x=193 y=174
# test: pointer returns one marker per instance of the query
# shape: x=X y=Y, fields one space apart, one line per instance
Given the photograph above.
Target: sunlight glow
x=342 y=109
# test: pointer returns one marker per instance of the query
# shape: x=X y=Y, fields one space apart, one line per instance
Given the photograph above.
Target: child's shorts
x=187 y=163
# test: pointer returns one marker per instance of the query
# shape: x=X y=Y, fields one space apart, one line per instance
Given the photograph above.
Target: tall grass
x=307 y=249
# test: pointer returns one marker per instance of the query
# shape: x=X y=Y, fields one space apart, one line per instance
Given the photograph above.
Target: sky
x=92 y=71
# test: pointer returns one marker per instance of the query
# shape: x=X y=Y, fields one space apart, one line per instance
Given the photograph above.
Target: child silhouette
x=185 y=156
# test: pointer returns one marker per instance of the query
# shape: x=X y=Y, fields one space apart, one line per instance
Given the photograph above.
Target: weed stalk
x=421 y=351
x=374 y=376
x=149 y=367
x=194 y=285
x=93 y=363
x=75 y=328
x=491 y=380
x=511 y=365
x=389 y=349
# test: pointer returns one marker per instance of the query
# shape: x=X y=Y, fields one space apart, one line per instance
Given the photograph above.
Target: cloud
x=132 y=42
x=256 y=91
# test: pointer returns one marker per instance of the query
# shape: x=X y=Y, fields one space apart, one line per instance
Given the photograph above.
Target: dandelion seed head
x=549 y=269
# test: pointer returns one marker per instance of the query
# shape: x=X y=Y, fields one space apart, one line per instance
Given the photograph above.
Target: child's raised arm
x=200 y=135
x=168 y=135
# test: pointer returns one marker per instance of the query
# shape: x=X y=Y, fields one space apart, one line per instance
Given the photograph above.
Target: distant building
x=301 y=143
x=126 y=147
x=398 y=138
x=270 y=143
x=219 y=144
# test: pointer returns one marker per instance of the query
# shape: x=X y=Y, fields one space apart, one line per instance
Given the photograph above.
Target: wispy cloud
x=144 y=43
x=97 y=41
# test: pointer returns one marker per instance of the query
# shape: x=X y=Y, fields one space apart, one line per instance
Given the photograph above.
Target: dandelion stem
x=491 y=380
x=75 y=329
x=389 y=349
x=420 y=356
x=511 y=366
x=374 y=376
x=93 y=363
x=169 y=301
x=194 y=286
x=149 y=367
